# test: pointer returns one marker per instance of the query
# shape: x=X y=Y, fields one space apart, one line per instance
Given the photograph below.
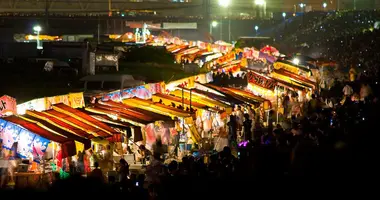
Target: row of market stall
x=180 y=113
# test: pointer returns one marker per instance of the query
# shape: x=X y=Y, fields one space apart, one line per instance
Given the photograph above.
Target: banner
x=262 y=81
x=28 y=142
x=142 y=92
x=76 y=100
x=39 y=147
x=25 y=142
x=8 y=105
x=10 y=135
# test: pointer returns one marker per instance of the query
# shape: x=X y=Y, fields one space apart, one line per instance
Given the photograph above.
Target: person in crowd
x=296 y=108
x=80 y=162
x=365 y=91
x=145 y=154
x=232 y=128
x=108 y=158
x=247 y=127
x=123 y=171
x=97 y=173
x=4 y=165
x=239 y=114
x=155 y=169
x=91 y=158
x=347 y=90
x=286 y=105
x=173 y=168
x=313 y=105
x=353 y=74
x=12 y=164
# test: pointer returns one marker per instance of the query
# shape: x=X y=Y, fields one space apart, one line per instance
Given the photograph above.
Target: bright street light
x=224 y=3
x=260 y=2
x=302 y=5
x=214 y=23
x=37 y=28
x=256 y=28
x=324 y=5
x=283 y=14
x=296 y=61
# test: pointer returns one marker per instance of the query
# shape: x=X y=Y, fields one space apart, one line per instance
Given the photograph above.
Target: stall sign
x=8 y=105
x=261 y=80
x=202 y=45
x=185 y=83
x=289 y=68
x=226 y=58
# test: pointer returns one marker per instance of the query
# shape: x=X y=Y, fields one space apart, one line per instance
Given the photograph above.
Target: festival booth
x=184 y=124
x=60 y=115
x=32 y=143
x=203 y=99
x=295 y=69
x=293 y=79
x=187 y=105
x=261 y=85
x=134 y=121
x=205 y=115
x=76 y=122
x=52 y=136
x=239 y=94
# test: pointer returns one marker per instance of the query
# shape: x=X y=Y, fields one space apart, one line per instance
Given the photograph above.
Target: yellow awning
x=150 y=106
x=203 y=100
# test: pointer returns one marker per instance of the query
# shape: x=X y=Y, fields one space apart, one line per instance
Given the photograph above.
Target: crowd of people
x=345 y=37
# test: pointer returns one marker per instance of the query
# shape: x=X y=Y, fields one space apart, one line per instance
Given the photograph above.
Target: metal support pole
x=183 y=99
x=98 y=30
x=46 y=14
x=221 y=29
x=229 y=30
x=277 y=104
x=38 y=40
x=190 y=98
